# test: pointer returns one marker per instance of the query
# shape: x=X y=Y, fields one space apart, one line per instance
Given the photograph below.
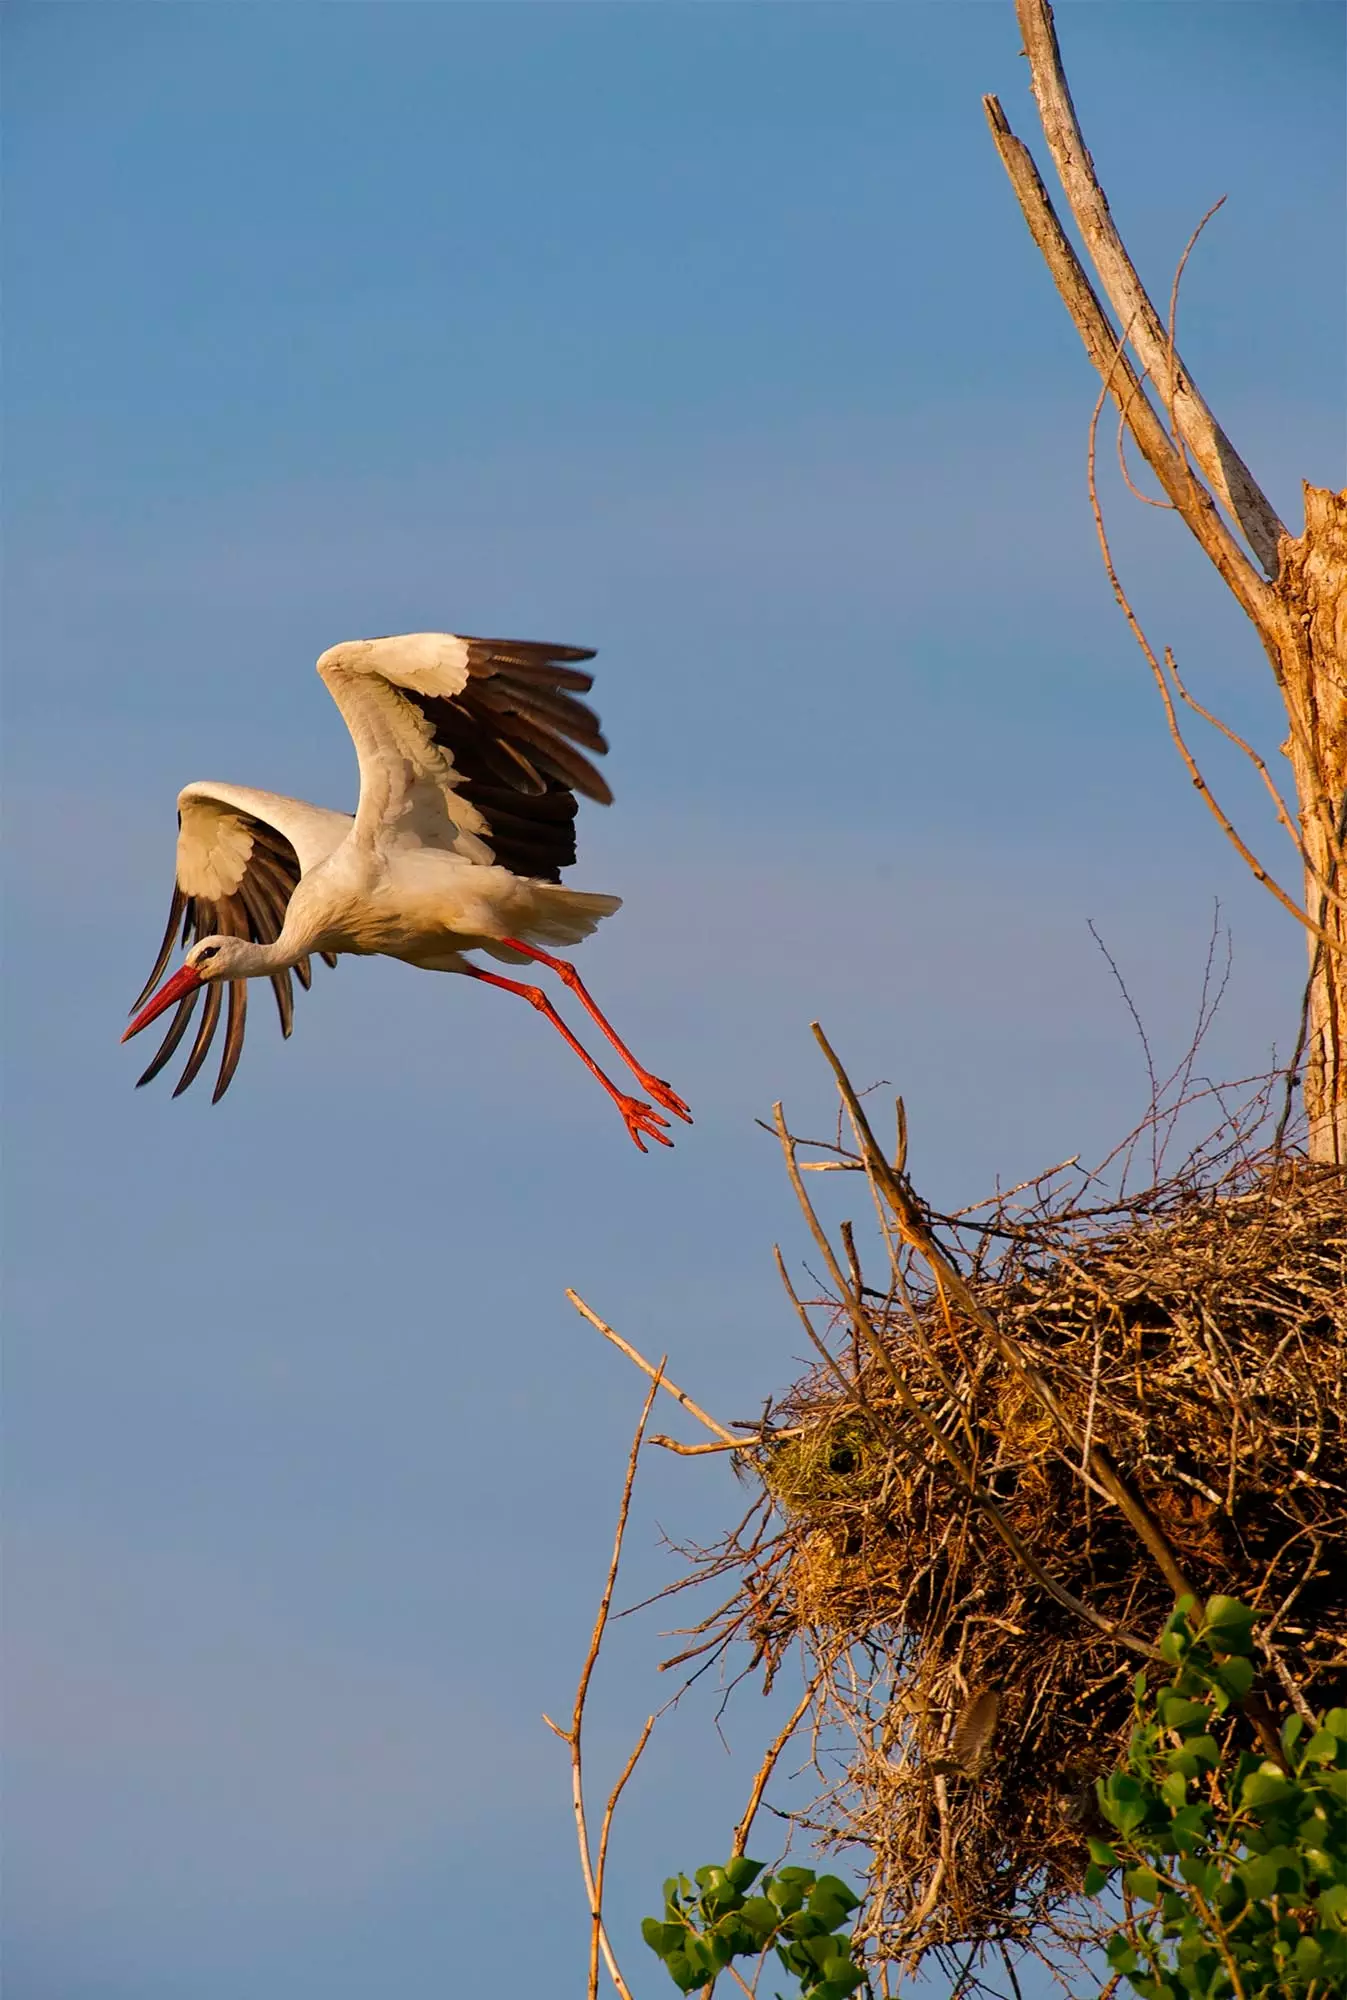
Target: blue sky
x=708 y=335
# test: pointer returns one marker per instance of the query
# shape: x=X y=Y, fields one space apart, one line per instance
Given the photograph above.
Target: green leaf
x=1199 y=1874
x=1096 y=1878
x=1229 y=1625
x=1332 y=1902
x=831 y=1901
x=788 y=1895
x=1198 y=1753
x=1174 y=1789
x=742 y=1872
x=688 y=1970
x=837 y=1889
x=1120 y=1954
x=761 y=1918
x=1102 y=1854
x=1265 y=1786
x=1175 y=1710
x=1237 y=1675
x=1143 y=1883
x=1309 y=1957
x=1322 y=1748
x=1259 y=1876
x=1291 y=1731
x=662 y=1938
x=839 y=1984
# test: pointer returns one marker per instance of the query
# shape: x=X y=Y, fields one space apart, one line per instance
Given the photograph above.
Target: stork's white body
x=368 y=889
x=468 y=773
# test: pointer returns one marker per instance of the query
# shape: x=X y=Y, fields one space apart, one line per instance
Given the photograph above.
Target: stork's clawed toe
x=664 y=1094
x=643 y=1121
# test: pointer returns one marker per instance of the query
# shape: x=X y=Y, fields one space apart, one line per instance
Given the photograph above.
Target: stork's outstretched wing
x=240 y=854
x=474 y=745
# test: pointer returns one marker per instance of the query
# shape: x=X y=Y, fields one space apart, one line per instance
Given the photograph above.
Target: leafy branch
x=1233 y=1866
x=798 y=1915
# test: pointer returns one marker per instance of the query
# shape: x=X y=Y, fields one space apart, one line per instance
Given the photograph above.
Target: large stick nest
x=1199 y=1335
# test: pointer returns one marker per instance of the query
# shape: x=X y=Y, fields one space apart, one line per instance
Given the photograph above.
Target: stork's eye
x=211 y=951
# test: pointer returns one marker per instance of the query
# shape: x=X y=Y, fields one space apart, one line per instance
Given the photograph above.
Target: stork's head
x=211 y=958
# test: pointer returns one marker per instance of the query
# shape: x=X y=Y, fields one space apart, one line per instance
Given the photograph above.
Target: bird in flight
x=471 y=753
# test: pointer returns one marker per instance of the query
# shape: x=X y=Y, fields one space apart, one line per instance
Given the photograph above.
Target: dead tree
x=1293 y=588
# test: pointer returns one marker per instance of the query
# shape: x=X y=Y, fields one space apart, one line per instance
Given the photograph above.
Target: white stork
x=468 y=777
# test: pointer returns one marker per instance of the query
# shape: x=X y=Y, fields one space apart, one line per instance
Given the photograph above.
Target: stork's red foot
x=664 y=1094
x=642 y=1120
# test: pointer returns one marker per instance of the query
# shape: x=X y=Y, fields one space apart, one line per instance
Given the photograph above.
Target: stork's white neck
x=240 y=958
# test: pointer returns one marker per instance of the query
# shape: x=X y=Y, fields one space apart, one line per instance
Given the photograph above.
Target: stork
x=469 y=770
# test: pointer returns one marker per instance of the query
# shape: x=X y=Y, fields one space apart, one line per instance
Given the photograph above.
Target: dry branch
x=1226 y=472
x=593 y=1868
x=1126 y=386
x=1299 y=610
x=656 y=1375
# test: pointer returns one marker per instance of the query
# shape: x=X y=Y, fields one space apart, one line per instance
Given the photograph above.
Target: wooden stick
x=735 y=1444
x=1203 y=789
x=1225 y=471
x=769 y=1762
x=656 y=1374
x=1102 y=344
x=598 y=1942
x=908 y=1218
x=975 y=1490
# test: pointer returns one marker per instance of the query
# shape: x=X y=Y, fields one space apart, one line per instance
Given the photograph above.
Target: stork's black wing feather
x=517 y=736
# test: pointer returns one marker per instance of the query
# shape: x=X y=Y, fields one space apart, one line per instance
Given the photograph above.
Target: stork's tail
x=558 y=916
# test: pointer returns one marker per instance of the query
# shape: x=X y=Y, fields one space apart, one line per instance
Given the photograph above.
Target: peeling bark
x=1311 y=648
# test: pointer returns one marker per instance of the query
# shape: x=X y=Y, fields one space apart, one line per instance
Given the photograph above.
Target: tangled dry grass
x=1043 y=1422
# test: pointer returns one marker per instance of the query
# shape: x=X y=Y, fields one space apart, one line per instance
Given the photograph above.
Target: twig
x=976 y=1491
x=1222 y=819
x=572 y=1737
x=601 y=1863
x=1130 y=1004
x=656 y=1374
x=908 y=1217
x=769 y=1762
x=1283 y=813
x=734 y=1444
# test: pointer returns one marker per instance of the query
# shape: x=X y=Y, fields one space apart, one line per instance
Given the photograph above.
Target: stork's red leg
x=640 y=1118
x=658 y=1088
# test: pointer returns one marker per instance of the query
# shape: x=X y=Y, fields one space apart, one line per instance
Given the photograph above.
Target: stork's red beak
x=185 y=980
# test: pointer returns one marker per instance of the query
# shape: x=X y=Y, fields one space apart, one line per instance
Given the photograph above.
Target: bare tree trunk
x=1312 y=654
x=1298 y=605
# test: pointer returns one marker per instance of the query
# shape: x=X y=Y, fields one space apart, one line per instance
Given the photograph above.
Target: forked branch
x=1226 y=473
x=593 y=1866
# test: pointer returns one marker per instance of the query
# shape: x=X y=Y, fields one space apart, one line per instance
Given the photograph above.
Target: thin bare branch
x=770 y=1761
x=1103 y=346
x=1225 y=471
x=599 y=1942
x=601 y=1862
x=1282 y=810
x=1222 y=819
x=632 y=1354
x=750 y=1443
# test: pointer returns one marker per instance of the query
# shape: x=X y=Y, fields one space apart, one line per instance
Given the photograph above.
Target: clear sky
x=708 y=335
